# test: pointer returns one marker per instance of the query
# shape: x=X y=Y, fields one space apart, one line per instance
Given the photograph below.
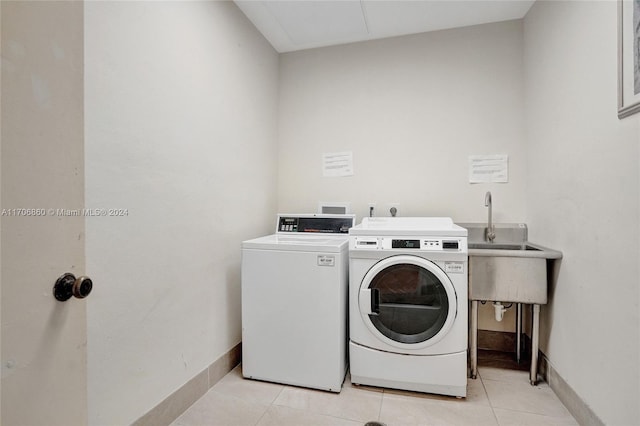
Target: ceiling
x=291 y=25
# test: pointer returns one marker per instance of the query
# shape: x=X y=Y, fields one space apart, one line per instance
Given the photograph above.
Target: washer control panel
x=450 y=244
x=314 y=224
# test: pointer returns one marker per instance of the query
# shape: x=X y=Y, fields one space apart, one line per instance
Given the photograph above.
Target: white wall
x=411 y=109
x=582 y=197
x=181 y=102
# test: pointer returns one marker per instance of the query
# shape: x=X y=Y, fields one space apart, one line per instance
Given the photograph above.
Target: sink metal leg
x=474 y=339
x=535 y=335
x=518 y=332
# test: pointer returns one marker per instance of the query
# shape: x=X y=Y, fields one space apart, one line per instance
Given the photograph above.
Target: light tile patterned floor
x=498 y=397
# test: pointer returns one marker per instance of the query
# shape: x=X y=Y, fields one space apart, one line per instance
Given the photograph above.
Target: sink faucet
x=490 y=234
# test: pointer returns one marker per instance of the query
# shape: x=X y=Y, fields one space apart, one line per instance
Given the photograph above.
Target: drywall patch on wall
x=40 y=91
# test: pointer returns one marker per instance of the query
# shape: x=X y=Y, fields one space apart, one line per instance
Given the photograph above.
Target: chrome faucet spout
x=490 y=233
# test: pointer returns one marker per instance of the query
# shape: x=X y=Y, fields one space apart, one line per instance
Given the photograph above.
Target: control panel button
x=450 y=245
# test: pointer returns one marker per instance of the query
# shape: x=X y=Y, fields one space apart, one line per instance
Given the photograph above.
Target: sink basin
x=498 y=246
x=509 y=269
x=524 y=249
x=508 y=279
x=511 y=241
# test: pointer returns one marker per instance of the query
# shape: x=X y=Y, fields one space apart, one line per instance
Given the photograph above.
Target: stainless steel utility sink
x=498 y=246
x=508 y=279
x=507 y=269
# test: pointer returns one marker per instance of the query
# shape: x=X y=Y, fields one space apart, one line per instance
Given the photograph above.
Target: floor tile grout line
x=549 y=416
x=380 y=409
x=263 y=414
x=493 y=411
x=282 y=389
x=307 y=410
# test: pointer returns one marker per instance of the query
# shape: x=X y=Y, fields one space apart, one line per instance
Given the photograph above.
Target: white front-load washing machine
x=408 y=304
x=295 y=302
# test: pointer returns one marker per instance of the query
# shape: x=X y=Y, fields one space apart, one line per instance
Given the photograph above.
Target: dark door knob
x=68 y=285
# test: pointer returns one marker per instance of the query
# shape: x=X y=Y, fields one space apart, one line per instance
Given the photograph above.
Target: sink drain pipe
x=499 y=310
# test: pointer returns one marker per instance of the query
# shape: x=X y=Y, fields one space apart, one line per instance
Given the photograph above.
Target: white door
x=44 y=380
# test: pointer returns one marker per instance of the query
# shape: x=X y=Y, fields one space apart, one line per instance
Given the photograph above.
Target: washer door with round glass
x=407 y=302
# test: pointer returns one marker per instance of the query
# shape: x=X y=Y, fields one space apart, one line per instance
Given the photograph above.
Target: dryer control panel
x=446 y=244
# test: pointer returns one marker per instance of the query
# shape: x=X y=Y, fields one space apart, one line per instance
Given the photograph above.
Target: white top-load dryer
x=408 y=304
x=295 y=301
